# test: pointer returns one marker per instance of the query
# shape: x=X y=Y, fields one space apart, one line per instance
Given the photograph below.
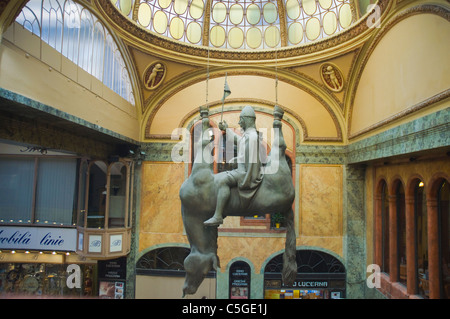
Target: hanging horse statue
x=199 y=197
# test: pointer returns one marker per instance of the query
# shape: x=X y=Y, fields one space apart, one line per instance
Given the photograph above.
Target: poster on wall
x=112 y=277
x=111 y=290
x=240 y=280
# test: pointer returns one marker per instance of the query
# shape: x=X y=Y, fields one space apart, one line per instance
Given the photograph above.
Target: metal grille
x=308 y=261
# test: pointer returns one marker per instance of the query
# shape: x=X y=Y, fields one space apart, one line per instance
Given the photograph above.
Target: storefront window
x=56 y=190
x=401 y=227
x=385 y=228
x=38 y=190
x=16 y=189
x=97 y=195
x=319 y=276
x=41 y=279
x=444 y=223
x=108 y=202
x=420 y=213
x=118 y=194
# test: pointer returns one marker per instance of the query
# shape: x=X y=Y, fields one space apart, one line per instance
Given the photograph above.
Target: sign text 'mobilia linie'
x=25 y=238
x=39 y=238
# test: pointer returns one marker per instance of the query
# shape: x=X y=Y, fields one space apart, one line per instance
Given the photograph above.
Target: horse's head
x=197 y=265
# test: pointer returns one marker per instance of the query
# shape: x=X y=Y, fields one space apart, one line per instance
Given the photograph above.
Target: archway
x=319 y=276
x=160 y=275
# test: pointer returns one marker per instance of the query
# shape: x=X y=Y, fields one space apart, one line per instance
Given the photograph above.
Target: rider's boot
x=216 y=220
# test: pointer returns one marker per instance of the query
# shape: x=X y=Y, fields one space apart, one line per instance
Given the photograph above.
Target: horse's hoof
x=213 y=221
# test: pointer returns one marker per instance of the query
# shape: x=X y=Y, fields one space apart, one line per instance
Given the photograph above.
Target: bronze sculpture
x=247 y=176
x=241 y=192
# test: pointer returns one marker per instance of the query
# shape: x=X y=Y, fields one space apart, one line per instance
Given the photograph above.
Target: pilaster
x=354 y=230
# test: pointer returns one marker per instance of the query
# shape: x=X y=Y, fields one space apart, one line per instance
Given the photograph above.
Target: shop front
x=46 y=274
x=41 y=261
x=319 y=276
x=60 y=215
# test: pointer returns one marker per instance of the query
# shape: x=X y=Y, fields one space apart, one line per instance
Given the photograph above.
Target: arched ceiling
x=317 y=113
x=183 y=69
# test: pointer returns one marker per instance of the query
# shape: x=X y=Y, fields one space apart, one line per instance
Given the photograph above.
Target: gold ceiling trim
x=283 y=22
x=366 y=53
x=164 y=45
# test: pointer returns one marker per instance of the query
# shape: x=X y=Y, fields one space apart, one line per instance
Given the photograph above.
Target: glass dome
x=241 y=24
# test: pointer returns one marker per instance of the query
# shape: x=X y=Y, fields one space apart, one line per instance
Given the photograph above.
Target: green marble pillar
x=130 y=289
x=354 y=231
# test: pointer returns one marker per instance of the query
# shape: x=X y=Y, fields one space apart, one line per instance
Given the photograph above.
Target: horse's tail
x=289 y=257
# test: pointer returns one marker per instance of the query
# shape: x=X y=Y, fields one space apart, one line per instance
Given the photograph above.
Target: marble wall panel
x=160 y=216
x=320 y=200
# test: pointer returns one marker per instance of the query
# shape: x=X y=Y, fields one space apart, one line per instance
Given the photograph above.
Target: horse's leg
x=203 y=255
x=201 y=238
x=289 y=257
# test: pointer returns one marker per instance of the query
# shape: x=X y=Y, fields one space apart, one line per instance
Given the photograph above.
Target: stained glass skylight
x=241 y=24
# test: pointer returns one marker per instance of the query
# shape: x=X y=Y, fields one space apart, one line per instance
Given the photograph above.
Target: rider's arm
x=230 y=132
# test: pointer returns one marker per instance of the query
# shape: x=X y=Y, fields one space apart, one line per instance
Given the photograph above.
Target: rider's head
x=247 y=117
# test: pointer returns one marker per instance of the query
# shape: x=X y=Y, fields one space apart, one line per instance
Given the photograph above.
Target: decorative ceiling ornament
x=154 y=75
x=332 y=77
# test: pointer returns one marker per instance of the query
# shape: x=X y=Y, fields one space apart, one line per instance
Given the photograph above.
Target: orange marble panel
x=333 y=244
x=147 y=240
x=160 y=202
x=321 y=200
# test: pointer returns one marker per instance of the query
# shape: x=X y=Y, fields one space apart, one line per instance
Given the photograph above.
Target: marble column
x=130 y=287
x=355 y=230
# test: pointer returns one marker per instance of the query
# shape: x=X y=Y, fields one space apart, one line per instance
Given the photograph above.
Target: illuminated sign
x=38 y=238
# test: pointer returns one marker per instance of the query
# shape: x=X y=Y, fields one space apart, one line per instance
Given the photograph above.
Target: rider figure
x=247 y=176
